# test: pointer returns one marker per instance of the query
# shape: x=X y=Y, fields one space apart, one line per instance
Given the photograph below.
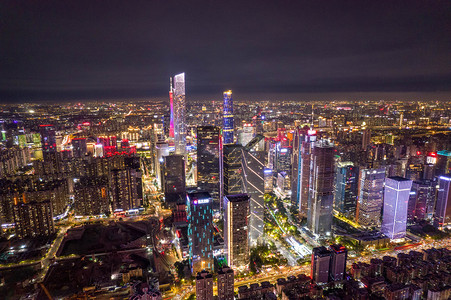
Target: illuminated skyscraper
x=396 y=199
x=254 y=185
x=370 y=201
x=228 y=126
x=209 y=151
x=236 y=228
x=443 y=207
x=48 y=141
x=443 y=165
x=339 y=256
x=232 y=182
x=321 y=188
x=79 y=147
x=200 y=231
x=421 y=200
x=171 y=118
x=320 y=265
x=302 y=151
x=125 y=188
x=346 y=188
x=179 y=105
x=174 y=181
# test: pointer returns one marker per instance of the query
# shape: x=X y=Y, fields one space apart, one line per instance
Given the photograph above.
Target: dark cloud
x=103 y=49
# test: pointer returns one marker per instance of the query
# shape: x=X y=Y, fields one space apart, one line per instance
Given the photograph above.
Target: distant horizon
x=294 y=97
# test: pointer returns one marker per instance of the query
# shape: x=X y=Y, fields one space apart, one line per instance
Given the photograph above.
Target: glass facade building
x=228 y=125
x=346 y=188
x=179 y=105
x=396 y=198
x=371 y=193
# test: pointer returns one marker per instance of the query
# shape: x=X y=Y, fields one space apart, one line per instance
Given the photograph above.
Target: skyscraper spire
x=171 y=99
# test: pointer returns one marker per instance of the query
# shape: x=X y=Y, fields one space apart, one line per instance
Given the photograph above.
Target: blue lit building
x=200 y=231
x=346 y=188
x=228 y=126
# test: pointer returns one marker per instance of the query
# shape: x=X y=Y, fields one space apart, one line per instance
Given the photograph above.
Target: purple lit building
x=396 y=199
x=443 y=208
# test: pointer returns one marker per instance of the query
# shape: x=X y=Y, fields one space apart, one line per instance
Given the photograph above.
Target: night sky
x=64 y=50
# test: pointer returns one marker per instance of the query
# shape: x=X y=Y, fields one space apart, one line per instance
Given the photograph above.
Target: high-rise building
x=254 y=185
x=442 y=216
x=204 y=286
x=321 y=188
x=174 y=181
x=91 y=196
x=209 y=150
x=370 y=200
x=302 y=150
x=200 y=231
x=443 y=163
x=125 y=188
x=48 y=140
x=396 y=199
x=421 y=201
x=171 y=106
x=346 y=188
x=79 y=147
x=232 y=171
x=321 y=258
x=179 y=105
x=339 y=255
x=366 y=139
x=33 y=218
x=246 y=134
x=228 y=126
x=162 y=150
x=236 y=224
x=226 y=284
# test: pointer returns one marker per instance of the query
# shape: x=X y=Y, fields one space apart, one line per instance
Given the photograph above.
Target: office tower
x=158 y=133
x=396 y=199
x=204 y=286
x=246 y=134
x=421 y=201
x=200 y=231
x=171 y=104
x=370 y=200
x=443 y=164
x=228 y=125
x=162 y=150
x=321 y=258
x=79 y=147
x=339 y=255
x=209 y=150
x=283 y=158
x=269 y=180
x=321 y=188
x=254 y=185
x=48 y=140
x=258 y=120
x=366 y=139
x=232 y=182
x=302 y=144
x=442 y=216
x=125 y=189
x=91 y=196
x=346 y=188
x=236 y=224
x=33 y=218
x=179 y=105
x=174 y=182
x=226 y=284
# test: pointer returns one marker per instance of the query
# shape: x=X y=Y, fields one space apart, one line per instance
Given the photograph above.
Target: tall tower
x=370 y=201
x=232 y=182
x=254 y=185
x=321 y=188
x=179 y=105
x=346 y=188
x=320 y=265
x=48 y=141
x=302 y=151
x=236 y=226
x=200 y=231
x=209 y=151
x=443 y=208
x=174 y=181
x=171 y=118
x=396 y=199
x=228 y=125
x=338 y=263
